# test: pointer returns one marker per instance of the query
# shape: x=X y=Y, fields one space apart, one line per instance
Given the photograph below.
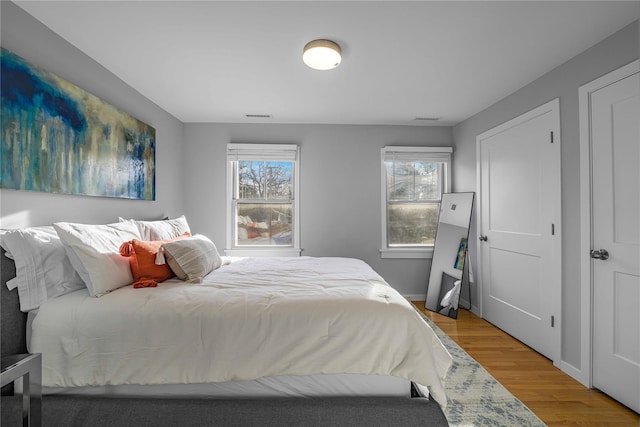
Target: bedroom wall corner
x=29 y=38
x=609 y=54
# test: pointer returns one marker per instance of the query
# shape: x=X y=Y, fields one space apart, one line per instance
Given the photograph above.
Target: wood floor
x=552 y=395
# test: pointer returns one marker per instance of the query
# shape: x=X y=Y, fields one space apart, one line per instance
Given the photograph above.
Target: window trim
x=267 y=150
x=436 y=153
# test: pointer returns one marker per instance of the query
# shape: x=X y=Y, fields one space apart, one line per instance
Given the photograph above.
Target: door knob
x=482 y=238
x=602 y=254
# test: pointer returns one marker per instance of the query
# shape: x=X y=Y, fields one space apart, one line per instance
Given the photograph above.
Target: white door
x=615 y=204
x=519 y=227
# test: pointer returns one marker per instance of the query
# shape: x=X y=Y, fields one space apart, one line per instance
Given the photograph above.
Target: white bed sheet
x=250 y=319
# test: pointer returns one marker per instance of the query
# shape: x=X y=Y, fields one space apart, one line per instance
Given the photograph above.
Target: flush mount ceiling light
x=322 y=54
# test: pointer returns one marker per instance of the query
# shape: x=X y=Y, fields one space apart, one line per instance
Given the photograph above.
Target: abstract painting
x=462 y=254
x=58 y=138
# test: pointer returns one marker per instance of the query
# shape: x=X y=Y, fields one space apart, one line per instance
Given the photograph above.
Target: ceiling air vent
x=258 y=116
x=426 y=119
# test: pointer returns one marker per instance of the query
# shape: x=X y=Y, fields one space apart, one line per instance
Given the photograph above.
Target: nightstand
x=28 y=368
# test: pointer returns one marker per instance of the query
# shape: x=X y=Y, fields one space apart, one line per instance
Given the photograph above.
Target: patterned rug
x=475 y=398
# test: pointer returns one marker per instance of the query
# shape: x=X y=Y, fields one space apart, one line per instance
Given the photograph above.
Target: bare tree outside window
x=264 y=207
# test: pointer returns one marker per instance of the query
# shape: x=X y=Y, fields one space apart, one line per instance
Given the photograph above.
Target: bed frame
x=109 y=411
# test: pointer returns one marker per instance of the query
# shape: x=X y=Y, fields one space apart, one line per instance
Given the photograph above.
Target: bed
x=292 y=330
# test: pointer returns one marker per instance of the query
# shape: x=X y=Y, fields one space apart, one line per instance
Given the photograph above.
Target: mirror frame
x=442 y=283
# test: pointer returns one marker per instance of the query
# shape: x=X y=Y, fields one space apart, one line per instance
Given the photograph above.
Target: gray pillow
x=192 y=258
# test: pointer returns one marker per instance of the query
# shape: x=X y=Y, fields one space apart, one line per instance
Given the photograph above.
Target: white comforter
x=253 y=318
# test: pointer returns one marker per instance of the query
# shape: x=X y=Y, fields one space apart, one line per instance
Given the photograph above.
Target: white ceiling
x=214 y=61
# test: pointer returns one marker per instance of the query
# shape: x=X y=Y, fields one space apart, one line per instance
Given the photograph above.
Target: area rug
x=474 y=397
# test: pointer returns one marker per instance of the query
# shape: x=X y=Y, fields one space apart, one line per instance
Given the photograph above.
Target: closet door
x=519 y=227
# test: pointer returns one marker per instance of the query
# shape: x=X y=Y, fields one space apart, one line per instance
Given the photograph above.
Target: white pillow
x=94 y=252
x=165 y=229
x=43 y=270
x=192 y=258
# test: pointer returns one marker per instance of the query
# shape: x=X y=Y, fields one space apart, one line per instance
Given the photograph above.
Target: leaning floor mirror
x=446 y=276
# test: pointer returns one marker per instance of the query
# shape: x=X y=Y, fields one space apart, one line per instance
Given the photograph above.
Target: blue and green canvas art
x=58 y=138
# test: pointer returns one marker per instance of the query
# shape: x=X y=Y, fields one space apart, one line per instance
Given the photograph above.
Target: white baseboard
x=575 y=373
x=414 y=297
x=475 y=310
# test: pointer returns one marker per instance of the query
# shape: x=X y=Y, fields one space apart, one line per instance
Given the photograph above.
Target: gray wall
x=617 y=50
x=339 y=187
x=28 y=38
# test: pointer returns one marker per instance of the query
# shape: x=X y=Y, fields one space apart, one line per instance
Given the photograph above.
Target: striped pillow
x=192 y=258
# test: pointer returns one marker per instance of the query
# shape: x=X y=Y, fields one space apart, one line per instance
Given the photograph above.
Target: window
x=262 y=202
x=413 y=180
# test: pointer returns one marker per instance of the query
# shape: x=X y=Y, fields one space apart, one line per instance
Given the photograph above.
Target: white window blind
x=267 y=152
x=417 y=154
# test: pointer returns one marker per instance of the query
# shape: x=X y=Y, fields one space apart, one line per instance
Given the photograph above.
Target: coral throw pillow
x=142 y=258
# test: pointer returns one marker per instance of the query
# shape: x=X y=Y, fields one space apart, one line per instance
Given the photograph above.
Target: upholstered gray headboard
x=14 y=322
